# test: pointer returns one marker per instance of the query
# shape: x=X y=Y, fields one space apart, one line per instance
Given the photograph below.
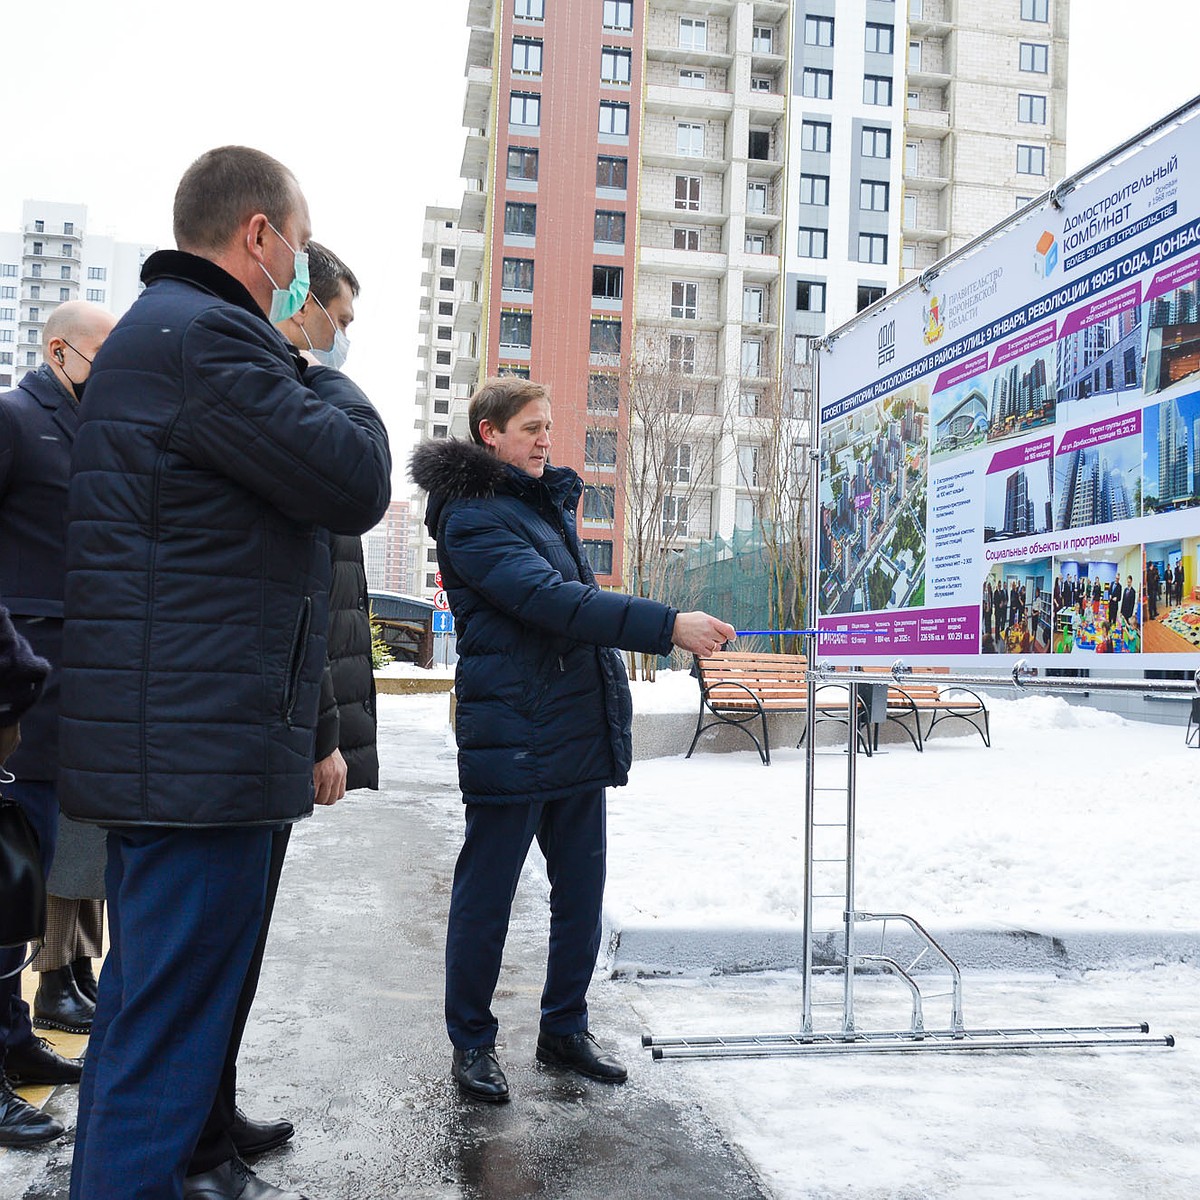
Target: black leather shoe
x=59 y=1004
x=38 y=1062
x=21 y=1124
x=233 y=1180
x=582 y=1053
x=252 y=1138
x=477 y=1071
x=85 y=978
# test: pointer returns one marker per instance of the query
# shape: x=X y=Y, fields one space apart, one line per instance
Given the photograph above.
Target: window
x=35 y=271
x=612 y=172
x=6 y=335
x=810 y=297
x=614 y=118
x=761 y=83
x=599 y=556
x=442 y=383
x=681 y=400
x=8 y=269
x=877 y=89
x=880 y=39
x=687 y=192
x=677 y=463
x=910 y=158
x=752 y=358
x=9 y=293
x=610 y=227
x=68 y=228
x=689 y=139
x=914 y=57
x=686 y=238
x=96 y=295
x=516 y=329
x=756 y=243
x=1035 y=57
x=447 y=258
x=618 y=14
x=35 y=291
x=684 y=300
x=517 y=275
x=527 y=56
x=604 y=392
x=867 y=295
x=815 y=136
x=37 y=247
x=35 y=314
x=756 y=197
x=64 y=272
x=608 y=282
x=814 y=189
x=440 y=431
x=873 y=196
x=910 y=212
x=445 y=333
x=442 y=407
x=1021 y=201
x=689 y=78
x=443 y=358
x=515 y=372
x=818 y=31
x=600 y=448
x=8 y=314
x=446 y=284
x=802 y=352
x=674 y=516
x=1031 y=160
x=872 y=247
x=913 y=99
x=681 y=354
x=762 y=40
x=759 y=144
x=1035 y=10
x=30 y=357
x=876 y=143
x=522 y=162
x=813 y=243
x=529 y=10
x=39 y=227
x=817 y=84
x=520 y=219
x=748 y=466
x=598 y=502
x=908 y=258
x=97 y=272
x=748 y=403
x=1031 y=110
x=605 y=336
x=525 y=108
x=754 y=304
x=445 y=308
x=693 y=33
x=615 y=65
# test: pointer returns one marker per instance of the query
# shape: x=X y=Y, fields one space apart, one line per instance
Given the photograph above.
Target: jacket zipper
x=296 y=661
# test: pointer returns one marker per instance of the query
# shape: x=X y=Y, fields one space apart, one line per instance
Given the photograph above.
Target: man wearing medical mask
x=320 y=324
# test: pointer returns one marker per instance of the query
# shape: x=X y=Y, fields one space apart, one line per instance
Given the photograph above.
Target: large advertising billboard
x=1010 y=455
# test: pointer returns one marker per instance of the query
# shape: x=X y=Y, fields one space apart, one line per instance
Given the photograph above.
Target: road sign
x=443 y=622
x=440 y=601
x=437 y=578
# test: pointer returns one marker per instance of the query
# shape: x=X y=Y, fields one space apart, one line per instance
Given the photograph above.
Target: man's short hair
x=498 y=400
x=326 y=273
x=225 y=186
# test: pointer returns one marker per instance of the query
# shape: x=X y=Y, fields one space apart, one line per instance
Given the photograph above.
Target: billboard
x=1010 y=454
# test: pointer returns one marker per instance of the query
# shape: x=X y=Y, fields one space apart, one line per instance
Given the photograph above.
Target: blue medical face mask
x=287 y=302
x=337 y=354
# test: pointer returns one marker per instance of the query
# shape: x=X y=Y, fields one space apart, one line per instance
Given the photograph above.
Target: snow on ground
x=407 y=670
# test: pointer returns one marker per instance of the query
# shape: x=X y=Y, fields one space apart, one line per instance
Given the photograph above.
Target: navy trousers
x=38 y=799
x=571 y=833
x=185 y=910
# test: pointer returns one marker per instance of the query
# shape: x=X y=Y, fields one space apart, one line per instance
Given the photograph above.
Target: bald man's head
x=73 y=333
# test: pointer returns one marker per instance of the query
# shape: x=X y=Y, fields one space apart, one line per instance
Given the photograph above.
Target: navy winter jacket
x=543 y=701
x=203 y=477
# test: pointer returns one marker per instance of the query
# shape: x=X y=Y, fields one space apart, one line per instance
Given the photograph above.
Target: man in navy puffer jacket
x=543 y=717
x=204 y=475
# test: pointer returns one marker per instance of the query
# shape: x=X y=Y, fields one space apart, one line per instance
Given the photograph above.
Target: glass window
x=520 y=218
x=802 y=350
x=762 y=40
x=443 y=358
x=880 y=39
x=814 y=189
x=914 y=56
x=748 y=466
x=604 y=393
x=1031 y=160
x=529 y=10
x=615 y=65
x=599 y=556
x=752 y=358
x=686 y=238
x=674 y=516
x=810 y=297
x=817 y=84
x=63 y=293
x=813 y=243
x=689 y=139
x=97 y=272
x=756 y=243
x=818 y=31
x=608 y=282
x=527 y=56
x=516 y=328
x=600 y=448
x=693 y=33
x=873 y=196
x=605 y=336
x=759 y=145
x=877 y=89
x=610 y=227
x=815 y=136
x=748 y=403
x=445 y=333
x=1035 y=57
x=618 y=14
x=677 y=463
x=684 y=298
x=525 y=108
x=681 y=354
x=754 y=304
x=690 y=78
x=1031 y=110
x=908 y=257
x=1035 y=10
x=876 y=143
x=756 y=197
x=761 y=83
x=522 y=162
x=598 y=504
x=37 y=247
x=447 y=258
x=517 y=275
x=687 y=192
x=442 y=383
x=612 y=172
x=867 y=295
x=39 y=227
x=614 y=118
x=911 y=156
x=872 y=248
x=96 y=295
x=445 y=308
x=910 y=212
x=64 y=272
x=681 y=400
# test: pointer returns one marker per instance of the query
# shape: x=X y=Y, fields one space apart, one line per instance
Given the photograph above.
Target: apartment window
x=756 y=197
x=95 y=294
x=677 y=463
x=6 y=335
x=810 y=297
x=754 y=304
x=914 y=56
x=97 y=272
x=686 y=238
x=68 y=228
x=802 y=350
x=515 y=372
x=752 y=358
x=35 y=271
x=872 y=247
x=64 y=272
x=684 y=299
x=8 y=269
x=615 y=65
x=687 y=192
x=9 y=293
x=39 y=227
x=762 y=40
x=908 y=257
x=913 y=99
x=759 y=145
x=681 y=400
x=748 y=403
x=877 y=89
x=618 y=14
x=604 y=393
x=599 y=556
x=873 y=196
x=8 y=314
x=442 y=384
x=35 y=291
x=516 y=329
x=600 y=448
x=612 y=172
x=446 y=283
x=813 y=243
x=1035 y=10
x=1021 y=201
x=525 y=108
x=761 y=83
x=814 y=189
x=693 y=33
x=818 y=31
x=445 y=333
x=748 y=466
x=605 y=336
x=30 y=356
x=614 y=118
x=608 y=282
x=441 y=407
x=522 y=162
x=910 y=158
x=440 y=431
x=867 y=295
x=681 y=354
x=529 y=10
x=445 y=308
x=689 y=139
x=689 y=78
x=517 y=275
x=1031 y=160
x=447 y=258
x=817 y=84
x=520 y=219
x=910 y=212
x=6 y=359
x=876 y=143
x=815 y=136
x=35 y=314
x=1035 y=57
x=1031 y=110
x=598 y=504
x=443 y=358
x=674 y=516
x=610 y=227
x=37 y=247
x=527 y=56
x=756 y=243
x=880 y=39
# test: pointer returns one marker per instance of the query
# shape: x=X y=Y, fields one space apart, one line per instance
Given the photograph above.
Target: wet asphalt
x=347 y=1038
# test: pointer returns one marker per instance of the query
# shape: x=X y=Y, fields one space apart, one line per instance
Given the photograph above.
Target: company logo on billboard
x=1045 y=257
x=863 y=502
x=887 y=343
x=934 y=325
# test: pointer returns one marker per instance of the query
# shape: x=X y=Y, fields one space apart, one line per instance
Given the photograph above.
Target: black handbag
x=22 y=884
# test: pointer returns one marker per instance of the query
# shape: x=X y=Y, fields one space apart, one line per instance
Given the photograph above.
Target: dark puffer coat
x=22 y=673
x=204 y=475
x=543 y=702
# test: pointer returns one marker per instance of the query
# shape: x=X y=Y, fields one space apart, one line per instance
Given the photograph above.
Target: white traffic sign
x=440 y=601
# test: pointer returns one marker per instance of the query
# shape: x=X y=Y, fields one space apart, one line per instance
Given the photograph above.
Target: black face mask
x=77 y=388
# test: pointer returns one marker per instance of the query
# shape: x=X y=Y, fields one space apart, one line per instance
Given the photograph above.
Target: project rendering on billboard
x=1010 y=454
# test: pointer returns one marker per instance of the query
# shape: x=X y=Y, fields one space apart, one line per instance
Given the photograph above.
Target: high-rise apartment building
x=389 y=550
x=51 y=259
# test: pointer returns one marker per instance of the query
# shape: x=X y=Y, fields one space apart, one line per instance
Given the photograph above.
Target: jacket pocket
x=291 y=681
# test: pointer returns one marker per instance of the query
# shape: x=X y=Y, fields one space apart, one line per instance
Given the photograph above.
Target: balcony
x=756 y=268
x=688 y=102
x=667 y=155
x=923 y=179
x=479 y=48
x=766 y=107
x=927 y=122
x=689 y=57
x=477 y=105
x=764 y=168
x=683 y=264
x=465 y=369
x=481 y=14
x=470 y=257
x=56 y=233
x=475 y=157
x=468 y=315
x=686 y=216
x=474 y=210
x=929 y=78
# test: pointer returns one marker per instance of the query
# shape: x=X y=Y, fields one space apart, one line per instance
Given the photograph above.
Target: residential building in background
x=390 y=550
x=51 y=259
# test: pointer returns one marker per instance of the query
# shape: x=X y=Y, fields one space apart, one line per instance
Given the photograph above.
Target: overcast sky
x=363 y=100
